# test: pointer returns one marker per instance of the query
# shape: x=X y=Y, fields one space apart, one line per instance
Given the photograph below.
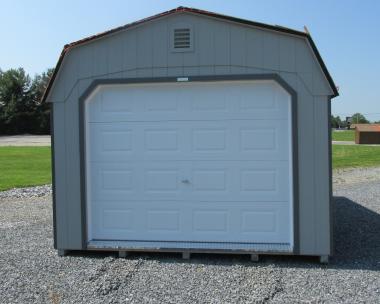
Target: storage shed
x=367 y=134
x=191 y=131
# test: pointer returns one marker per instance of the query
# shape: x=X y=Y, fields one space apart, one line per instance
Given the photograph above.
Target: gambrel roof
x=276 y=28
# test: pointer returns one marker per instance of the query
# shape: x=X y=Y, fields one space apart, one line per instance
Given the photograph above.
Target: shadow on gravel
x=356 y=245
x=356 y=236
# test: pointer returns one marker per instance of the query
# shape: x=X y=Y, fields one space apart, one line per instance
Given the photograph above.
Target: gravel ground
x=350 y=176
x=31 y=271
x=37 y=191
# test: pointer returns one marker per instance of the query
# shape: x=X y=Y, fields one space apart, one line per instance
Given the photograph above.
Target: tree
x=16 y=108
x=37 y=90
x=21 y=106
x=359 y=118
x=336 y=122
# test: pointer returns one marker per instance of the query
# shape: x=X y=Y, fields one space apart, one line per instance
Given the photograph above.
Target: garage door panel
x=189 y=162
x=216 y=181
x=233 y=140
x=192 y=101
x=205 y=222
x=119 y=117
x=111 y=140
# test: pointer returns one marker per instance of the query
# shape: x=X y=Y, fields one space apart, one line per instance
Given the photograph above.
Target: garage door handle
x=185 y=181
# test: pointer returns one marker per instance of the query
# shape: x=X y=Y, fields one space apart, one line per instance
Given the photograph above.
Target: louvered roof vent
x=182 y=39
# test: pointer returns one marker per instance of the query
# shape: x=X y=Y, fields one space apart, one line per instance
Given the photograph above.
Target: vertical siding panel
x=145 y=51
x=60 y=174
x=306 y=170
x=175 y=71
x=222 y=48
x=130 y=53
x=119 y=74
x=191 y=59
x=144 y=37
x=304 y=63
x=160 y=49
x=255 y=49
x=160 y=45
x=304 y=59
x=320 y=83
x=271 y=54
x=238 y=49
x=130 y=74
x=322 y=189
x=71 y=71
x=222 y=69
x=58 y=90
x=291 y=78
x=116 y=54
x=307 y=80
x=160 y=72
x=83 y=84
x=287 y=54
x=206 y=70
x=73 y=200
x=250 y=70
x=191 y=71
x=100 y=58
x=309 y=70
x=145 y=72
x=205 y=47
x=86 y=63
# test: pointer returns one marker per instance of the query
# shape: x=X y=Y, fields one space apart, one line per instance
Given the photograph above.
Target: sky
x=347 y=34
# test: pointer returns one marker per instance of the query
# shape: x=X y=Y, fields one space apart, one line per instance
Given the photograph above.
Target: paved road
x=349 y=143
x=335 y=142
x=25 y=140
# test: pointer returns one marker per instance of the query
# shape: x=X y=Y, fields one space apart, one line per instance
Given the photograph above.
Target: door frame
x=210 y=78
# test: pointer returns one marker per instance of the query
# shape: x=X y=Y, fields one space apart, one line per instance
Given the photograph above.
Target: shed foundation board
x=62 y=252
x=189 y=246
x=254 y=257
x=324 y=259
x=123 y=254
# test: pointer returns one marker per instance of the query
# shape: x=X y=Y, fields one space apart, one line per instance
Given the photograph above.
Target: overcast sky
x=347 y=34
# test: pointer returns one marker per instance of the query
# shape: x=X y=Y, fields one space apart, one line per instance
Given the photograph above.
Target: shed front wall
x=220 y=48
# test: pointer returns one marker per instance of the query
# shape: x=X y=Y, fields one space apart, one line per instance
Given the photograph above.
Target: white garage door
x=190 y=162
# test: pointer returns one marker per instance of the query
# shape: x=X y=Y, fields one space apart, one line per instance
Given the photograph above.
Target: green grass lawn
x=24 y=166
x=346 y=135
x=30 y=166
x=349 y=156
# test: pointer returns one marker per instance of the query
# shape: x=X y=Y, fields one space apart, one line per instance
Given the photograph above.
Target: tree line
x=337 y=122
x=21 y=108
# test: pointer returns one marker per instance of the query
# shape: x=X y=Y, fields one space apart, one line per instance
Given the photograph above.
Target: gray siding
x=219 y=48
x=60 y=176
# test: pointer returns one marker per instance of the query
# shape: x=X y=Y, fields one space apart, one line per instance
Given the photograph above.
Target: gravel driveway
x=31 y=271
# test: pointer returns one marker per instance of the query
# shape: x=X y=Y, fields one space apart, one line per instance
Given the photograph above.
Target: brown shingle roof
x=368 y=127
